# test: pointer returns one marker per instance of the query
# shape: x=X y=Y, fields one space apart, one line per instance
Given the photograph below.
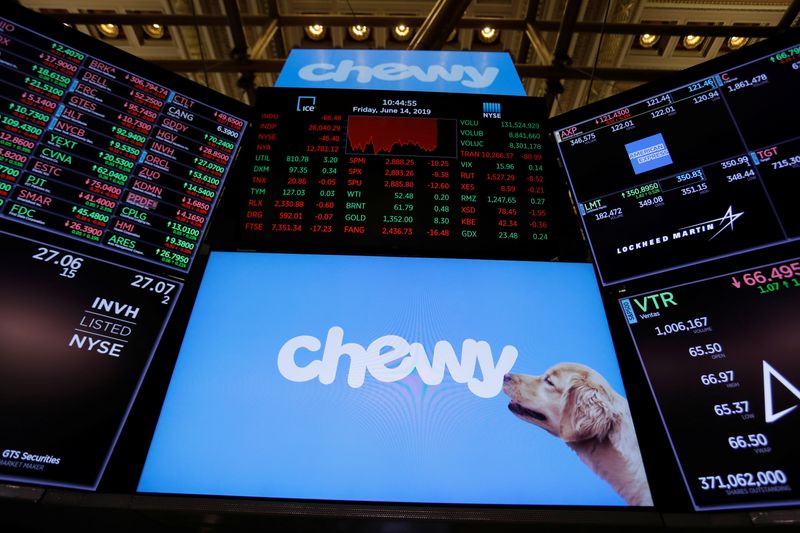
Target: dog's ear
x=588 y=412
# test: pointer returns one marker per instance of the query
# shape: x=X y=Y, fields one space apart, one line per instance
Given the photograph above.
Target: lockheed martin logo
x=716 y=225
x=725 y=221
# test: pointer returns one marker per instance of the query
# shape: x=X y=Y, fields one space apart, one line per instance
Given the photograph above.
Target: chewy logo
x=466 y=75
x=404 y=358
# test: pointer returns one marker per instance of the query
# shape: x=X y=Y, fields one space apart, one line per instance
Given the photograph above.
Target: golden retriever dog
x=576 y=404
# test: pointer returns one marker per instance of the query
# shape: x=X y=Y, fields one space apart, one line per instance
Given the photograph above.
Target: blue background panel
x=402 y=70
x=233 y=425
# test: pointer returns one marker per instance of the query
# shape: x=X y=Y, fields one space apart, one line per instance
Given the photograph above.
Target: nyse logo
x=491 y=110
x=392 y=358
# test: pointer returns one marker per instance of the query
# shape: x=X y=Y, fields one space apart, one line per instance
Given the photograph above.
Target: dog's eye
x=547 y=380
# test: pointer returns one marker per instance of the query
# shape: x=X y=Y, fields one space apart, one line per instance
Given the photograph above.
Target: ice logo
x=475 y=79
x=404 y=358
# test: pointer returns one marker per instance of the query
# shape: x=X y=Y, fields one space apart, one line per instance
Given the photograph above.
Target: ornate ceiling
x=571 y=51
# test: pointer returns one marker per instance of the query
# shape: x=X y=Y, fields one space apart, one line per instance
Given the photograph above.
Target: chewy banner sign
x=402 y=70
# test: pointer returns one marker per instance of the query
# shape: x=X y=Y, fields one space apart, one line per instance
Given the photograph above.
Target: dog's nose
x=507 y=378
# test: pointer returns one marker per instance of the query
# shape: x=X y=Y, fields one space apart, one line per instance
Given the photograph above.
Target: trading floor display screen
x=397 y=379
x=77 y=336
x=451 y=174
x=721 y=358
x=705 y=169
x=108 y=153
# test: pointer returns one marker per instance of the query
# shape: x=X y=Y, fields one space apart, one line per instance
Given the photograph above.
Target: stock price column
x=773 y=141
x=721 y=358
x=100 y=154
x=417 y=172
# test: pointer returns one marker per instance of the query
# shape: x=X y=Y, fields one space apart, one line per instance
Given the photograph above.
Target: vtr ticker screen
x=721 y=356
x=412 y=172
x=77 y=336
x=703 y=170
x=104 y=154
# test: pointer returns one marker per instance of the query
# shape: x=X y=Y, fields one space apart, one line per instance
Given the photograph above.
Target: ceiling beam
x=789 y=15
x=536 y=39
x=524 y=70
x=566 y=32
x=560 y=51
x=266 y=37
x=705 y=30
x=274 y=13
x=442 y=19
x=239 y=52
x=196 y=65
x=624 y=28
x=551 y=72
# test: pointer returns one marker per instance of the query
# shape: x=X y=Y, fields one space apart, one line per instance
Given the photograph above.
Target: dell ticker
x=97 y=152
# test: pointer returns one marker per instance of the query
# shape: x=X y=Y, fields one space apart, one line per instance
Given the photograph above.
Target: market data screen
x=721 y=358
x=77 y=336
x=107 y=154
x=703 y=170
x=409 y=172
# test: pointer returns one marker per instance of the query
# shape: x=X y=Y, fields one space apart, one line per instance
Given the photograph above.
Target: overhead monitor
x=397 y=379
x=77 y=336
x=105 y=148
x=721 y=358
x=408 y=173
x=702 y=165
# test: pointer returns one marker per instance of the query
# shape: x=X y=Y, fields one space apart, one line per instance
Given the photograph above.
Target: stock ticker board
x=721 y=358
x=407 y=172
x=101 y=153
x=706 y=169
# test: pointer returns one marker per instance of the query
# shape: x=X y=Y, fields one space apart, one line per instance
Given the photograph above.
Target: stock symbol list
x=97 y=152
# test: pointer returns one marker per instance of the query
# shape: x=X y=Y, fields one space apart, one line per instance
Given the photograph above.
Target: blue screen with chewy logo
x=377 y=379
x=402 y=70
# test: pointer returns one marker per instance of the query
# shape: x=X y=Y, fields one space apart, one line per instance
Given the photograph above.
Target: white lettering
x=286 y=362
x=387 y=349
x=466 y=75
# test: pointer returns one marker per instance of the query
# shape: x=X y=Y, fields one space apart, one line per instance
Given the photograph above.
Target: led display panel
x=721 y=358
x=414 y=173
x=107 y=149
x=702 y=166
x=397 y=379
x=77 y=336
